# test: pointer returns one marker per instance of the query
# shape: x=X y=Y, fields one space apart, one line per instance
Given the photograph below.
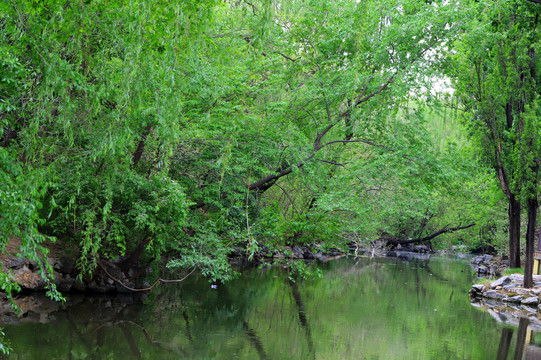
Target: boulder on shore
x=506 y=296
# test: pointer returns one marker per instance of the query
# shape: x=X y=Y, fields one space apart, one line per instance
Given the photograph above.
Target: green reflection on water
x=365 y=309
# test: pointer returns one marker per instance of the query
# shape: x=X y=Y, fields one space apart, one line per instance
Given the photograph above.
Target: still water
x=358 y=309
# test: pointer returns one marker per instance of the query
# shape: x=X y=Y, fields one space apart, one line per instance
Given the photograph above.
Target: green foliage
x=200 y=127
x=20 y=193
x=495 y=72
x=300 y=270
x=5 y=346
x=513 y=271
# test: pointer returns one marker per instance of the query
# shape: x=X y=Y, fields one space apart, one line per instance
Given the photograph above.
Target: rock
x=15 y=263
x=517 y=277
x=92 y=286
x=494 y=295
x=481 y=260
x=478 y=287
x=477 y=290
x=26 y=278
x=514 y=299
x=66 y=265
x=500 y=282
x=510 y=286
x=123 y=290
x=297 y=252
x=112 y=270
x=307 y=253
x=482 y=270
x=477 y=260
x=531 y=301
x=78 y=285
x=64 y=284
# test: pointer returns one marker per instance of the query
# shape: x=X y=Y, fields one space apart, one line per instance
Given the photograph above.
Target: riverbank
x=110 y=277
x=507 y=300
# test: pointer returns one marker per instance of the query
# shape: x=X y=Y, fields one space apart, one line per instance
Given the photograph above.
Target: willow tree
x=138 y=128
x=324 y=122
x=496 y=73
x=92 y=88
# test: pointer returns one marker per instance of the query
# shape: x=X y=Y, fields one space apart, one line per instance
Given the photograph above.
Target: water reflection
x=525 y=346
x=376 y=309
x=505 y=343
x=302 y=317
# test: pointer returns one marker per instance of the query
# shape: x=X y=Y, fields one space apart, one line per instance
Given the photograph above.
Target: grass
x=513 y=271
x=484 y=281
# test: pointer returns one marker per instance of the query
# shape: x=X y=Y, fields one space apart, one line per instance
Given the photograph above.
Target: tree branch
x=147 y=288
x=331 y=162
x=429 y=237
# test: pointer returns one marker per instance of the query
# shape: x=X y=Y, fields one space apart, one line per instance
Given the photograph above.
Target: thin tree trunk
x=127 y=263
x=530 y=242
x=514 y=232
x=141 y=146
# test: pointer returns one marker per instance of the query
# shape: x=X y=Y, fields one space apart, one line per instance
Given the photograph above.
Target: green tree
x=495 y=72
x=143 y=128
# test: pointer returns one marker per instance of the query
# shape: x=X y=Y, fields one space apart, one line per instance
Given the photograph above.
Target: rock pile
x=26 y=274
x=488 y=265
x=508 y=299
x=315 y=252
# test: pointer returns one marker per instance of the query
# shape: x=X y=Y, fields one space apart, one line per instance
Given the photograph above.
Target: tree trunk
x=505 y=343
x=521 y=338
x=127 y=263
x=141 y=146
x=530 y=242
x=514 y=232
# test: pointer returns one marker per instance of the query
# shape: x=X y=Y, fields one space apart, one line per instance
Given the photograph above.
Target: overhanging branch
x=446 y=229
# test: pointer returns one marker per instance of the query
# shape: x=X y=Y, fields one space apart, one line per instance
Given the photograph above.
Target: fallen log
x=446 y=229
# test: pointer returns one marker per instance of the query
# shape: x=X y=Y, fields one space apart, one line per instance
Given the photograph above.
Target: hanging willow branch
x=165 y=281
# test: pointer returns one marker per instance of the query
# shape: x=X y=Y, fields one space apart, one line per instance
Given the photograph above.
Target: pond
x=358 y=309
